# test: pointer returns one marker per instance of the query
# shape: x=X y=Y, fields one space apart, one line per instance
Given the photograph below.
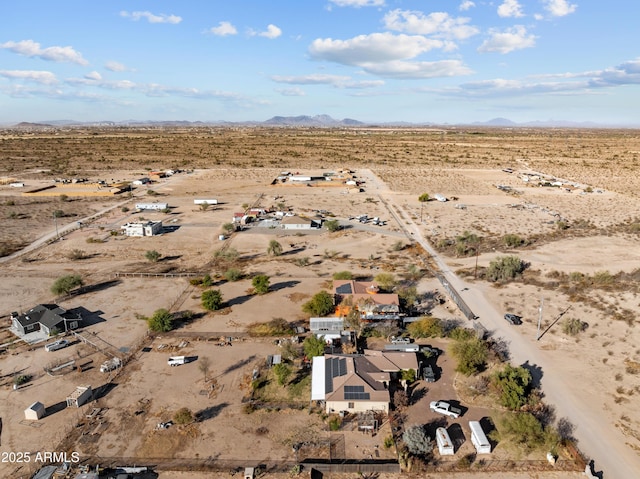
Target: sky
x=438 y=61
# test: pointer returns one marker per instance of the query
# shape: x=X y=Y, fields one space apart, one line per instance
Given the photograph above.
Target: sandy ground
x=607 y=348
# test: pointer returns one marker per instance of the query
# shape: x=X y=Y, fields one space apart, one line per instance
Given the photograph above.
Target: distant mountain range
x=319 y=121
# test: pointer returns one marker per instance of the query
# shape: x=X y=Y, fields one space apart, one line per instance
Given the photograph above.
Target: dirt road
x=592 y=429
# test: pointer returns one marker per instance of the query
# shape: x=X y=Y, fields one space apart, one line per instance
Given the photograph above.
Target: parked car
x=428 y=374
x=61 y=343
x=445 y=408
x=513 y=318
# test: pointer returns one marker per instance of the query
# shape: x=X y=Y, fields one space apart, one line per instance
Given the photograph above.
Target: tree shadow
x=239 y=364
x=536 y=373
x=93 y=288
x=566 y=429
x=170 y=258
x=431 y=426
x=293 y=251
x=457 y=436
x=209 y=412
x=283 y=285
x=238 y=300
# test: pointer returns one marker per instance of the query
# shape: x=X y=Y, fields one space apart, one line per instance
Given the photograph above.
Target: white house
x=298 y=223
x=141 y=181
x=152 y=206
x=148 y=228
x=205 y=202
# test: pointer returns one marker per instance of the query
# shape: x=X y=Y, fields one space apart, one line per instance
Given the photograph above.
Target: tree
x=204 y=363
x=274 y=249
x=417 y=441
x=282 y=372
x=471 y=356
x=343 y=275
x=204 y=206
x=65 y=284
x=467 y=244
x=408 y=296
x=313 y=346
x=400 y=399
x=183 y=416
x=514 y=386
x=321 y=304
x=58 y=214
x=260 y=283
x=152 y=255
x=211 y=299
x=427 y=327
x=228 y=228
x=505 y=268
x=332 y=225
x=386 y=281
x=161 y=321
x=232 y=274
x=525 y=430
x=424 y=197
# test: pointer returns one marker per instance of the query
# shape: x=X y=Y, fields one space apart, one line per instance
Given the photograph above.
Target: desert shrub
x=471 y=356
x=397 y=246
x=228 y=228
x=343 y=275
x=274 y=248
x=602 y=278
x=514 y=386
x=467 y=244
x=233 y=274
x=332 y=225
x=282 y=373
x=92 y=240
x=524 y=430
x=227 y=254
x=576 y=276
x=153 y=256
x=183 y=416
x=461 y=334
x=321 y=304
x=76 y=254
x=58 y=214
x=424 y=197
x=408 y=296
x=400 y=399
x=573 y=326
x=334 y=423
x=562 y=225
x=65 y=284
x=388 y=442
x=161 y=321
x=304 y=261
x=427 y=327
x=275 y=327
x=124 y=209
x=260 y=283
x=505 y=268
x=212 y=299
x=206 y=280
x=386 y=281
x=512 y=240
x=417 y=441
x=21 y=379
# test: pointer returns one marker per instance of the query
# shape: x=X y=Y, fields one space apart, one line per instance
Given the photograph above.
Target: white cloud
x=358 y=3
x=514 y=38
x=93 y=76
x=466 y=5
x=337 y=81
x=43 y=77
x=152 y=17
x=29 y=48
x=376 y=47
x=438 y=24
x=291 y=91
x=115 y=67
x=559 y=8
x=418 y=70
x=510 y=8
x=272 y=32
x=223 y=29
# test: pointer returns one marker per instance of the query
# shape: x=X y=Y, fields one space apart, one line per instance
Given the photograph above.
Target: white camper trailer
x=479 y=439
x=445 y=446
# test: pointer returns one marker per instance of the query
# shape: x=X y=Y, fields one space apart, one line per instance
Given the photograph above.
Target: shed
x=249 y=473
x=205 y=202
x=35 y=411
x=80 y=396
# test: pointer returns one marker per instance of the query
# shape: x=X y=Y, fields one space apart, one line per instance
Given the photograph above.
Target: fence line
x=156 y=275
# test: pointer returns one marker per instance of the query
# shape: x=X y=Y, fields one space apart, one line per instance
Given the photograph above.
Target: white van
x=479 y=439
x=176 y=360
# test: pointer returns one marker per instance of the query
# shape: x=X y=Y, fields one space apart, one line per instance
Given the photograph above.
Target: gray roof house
x=46 y=318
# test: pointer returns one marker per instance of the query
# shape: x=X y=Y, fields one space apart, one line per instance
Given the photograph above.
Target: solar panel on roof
x=357 y=396
x=354 y=389
x=344 y=289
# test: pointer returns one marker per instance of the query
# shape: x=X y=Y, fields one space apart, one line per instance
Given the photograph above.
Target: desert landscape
x=565 y=202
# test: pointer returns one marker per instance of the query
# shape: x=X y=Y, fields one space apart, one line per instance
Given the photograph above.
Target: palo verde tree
x=514 y=386
x=332 y=225
x=153 y=256
x=260 y=284
x=212 y=299
x=161 y=321
x=321 y=304
x=274 y=249
x=65 y=284
x=313 y=346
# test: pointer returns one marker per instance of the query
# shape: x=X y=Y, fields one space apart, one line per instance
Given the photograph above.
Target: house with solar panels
x=358 y=383
x=365 y=296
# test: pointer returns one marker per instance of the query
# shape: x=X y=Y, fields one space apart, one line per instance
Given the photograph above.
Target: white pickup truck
x=445 y=408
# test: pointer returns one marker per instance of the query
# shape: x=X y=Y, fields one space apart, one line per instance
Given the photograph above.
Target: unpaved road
x=597 y=437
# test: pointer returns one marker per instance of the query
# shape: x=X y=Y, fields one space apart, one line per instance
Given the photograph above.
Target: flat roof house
x=147 y=228
x=45 y=317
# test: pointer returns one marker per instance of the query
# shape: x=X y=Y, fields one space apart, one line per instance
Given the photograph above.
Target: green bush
x=334 y=423
x=212 y=300
x=260 y=283
x=505 y=268
x=65 y=284
x=417 y=441
x=461 y=334
x=282 y=373
x=233 y=274
x=573 y=326
x=471 y=356
x=183 y=416
x=514 y=386
x=321 y=304
x=332 y=225
x=313 y=346
x=161 y=321
x=512 y=240
x=153 y=256
x=427 y=327
x=342 y=275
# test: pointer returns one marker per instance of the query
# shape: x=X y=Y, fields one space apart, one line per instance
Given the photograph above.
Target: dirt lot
x=600 y=237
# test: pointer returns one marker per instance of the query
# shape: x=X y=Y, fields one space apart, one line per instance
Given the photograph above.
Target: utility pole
x=55 y=221
x=539 y=317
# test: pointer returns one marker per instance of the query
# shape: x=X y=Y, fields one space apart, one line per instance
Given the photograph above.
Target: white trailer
x=205 y=202
x=440 y=197
x=445 y=446
x=176 y=360
x=479 y=439
x=152 y=206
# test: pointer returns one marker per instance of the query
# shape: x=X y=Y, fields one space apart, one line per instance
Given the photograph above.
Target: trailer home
x=445 y=446
x=152 y=206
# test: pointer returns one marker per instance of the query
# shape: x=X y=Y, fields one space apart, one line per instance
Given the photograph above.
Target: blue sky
x=443 y=61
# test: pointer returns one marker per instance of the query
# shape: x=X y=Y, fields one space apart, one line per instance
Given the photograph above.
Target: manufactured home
x=152 y=206
x=148 y=228
x=205 y=202
x=445 y=446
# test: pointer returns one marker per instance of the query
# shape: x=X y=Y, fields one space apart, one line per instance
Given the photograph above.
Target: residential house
x=366 y=298
x=330 y=328
x=357 y=382
x=147 y=228
x=45 y=317
x=299 y=223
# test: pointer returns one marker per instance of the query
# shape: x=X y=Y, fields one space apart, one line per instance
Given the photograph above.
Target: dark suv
x=513 y=318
